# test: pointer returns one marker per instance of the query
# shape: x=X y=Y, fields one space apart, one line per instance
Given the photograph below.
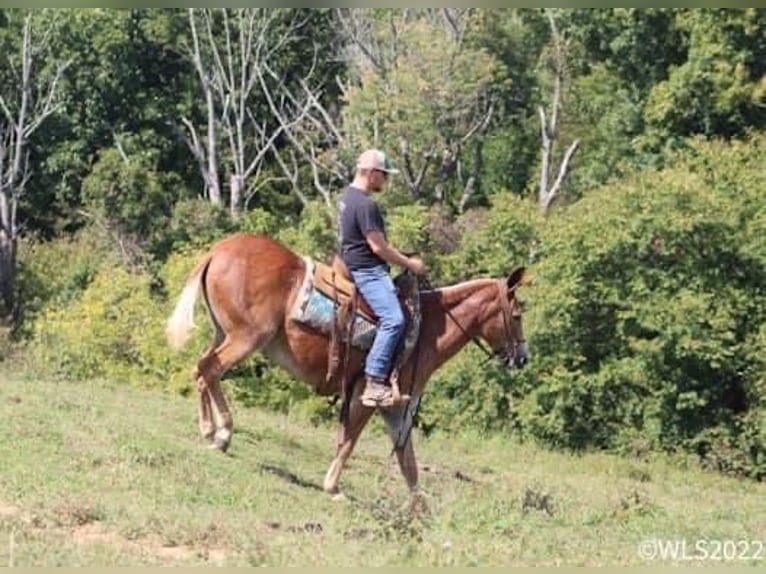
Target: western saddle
x=335 y=280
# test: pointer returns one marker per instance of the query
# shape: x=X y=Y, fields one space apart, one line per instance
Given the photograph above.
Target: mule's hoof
x=222 y=440
x=220 y=444
x=339 y=497
x=417 y=505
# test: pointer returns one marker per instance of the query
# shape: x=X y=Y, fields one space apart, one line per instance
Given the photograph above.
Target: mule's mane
x=452 y=294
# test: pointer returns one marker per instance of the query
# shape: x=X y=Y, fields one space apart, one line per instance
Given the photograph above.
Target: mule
x=250 y=282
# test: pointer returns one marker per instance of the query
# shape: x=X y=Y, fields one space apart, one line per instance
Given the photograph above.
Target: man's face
x=377 y=179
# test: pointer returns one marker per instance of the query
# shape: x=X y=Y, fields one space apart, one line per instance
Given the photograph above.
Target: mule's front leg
x=399 y=421
x=358 y=417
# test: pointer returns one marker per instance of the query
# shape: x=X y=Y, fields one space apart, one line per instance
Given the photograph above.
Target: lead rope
x=399 y=444
x=404 y=427
x=407 y=429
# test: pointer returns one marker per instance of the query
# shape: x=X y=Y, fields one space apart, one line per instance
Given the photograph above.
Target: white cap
x=375 y=159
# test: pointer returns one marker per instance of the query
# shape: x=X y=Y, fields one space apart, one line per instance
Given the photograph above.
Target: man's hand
x=393 y=256
x=416 y=265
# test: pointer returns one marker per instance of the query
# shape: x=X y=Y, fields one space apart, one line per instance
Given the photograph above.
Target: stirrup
x=377 y=394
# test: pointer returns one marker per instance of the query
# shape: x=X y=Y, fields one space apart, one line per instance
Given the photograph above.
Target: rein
x=405 y=432
x=489 y=354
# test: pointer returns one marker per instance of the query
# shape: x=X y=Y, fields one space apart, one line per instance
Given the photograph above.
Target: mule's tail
x=181 y=323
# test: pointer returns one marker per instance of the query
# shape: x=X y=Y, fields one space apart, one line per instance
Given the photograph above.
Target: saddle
x=330 y=302
x=335 y=280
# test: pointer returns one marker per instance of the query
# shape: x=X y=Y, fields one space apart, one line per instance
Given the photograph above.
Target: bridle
x=507 y=354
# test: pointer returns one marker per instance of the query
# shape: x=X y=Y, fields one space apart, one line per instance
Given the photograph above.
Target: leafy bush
x=315 y=233
x=468 y=393
x=494 y=241
x=114 y=330
x=648 y=299
x=128 y=196
x=56 y=272
x=195 y=223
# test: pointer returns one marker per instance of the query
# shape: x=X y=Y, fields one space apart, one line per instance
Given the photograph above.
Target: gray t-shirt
x=358 y=215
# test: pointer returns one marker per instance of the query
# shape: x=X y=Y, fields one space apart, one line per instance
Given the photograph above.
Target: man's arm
x=391 y=255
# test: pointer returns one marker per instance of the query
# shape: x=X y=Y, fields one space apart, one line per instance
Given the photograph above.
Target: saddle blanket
x=317 y=309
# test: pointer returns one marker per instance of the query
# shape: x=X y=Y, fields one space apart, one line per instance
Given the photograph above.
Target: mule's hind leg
x=234 y=348
x=358 y=417
x=206 y=422
x=205 y=414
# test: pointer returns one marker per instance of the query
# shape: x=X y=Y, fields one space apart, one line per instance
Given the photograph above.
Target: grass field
x=101 y=474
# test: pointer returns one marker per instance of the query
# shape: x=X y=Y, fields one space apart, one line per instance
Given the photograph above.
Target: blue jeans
x=377 y=288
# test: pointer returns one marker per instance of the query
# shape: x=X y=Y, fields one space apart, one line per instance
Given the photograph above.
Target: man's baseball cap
x=375 y=159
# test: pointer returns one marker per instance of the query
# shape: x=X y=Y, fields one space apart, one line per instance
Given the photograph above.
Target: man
x=368 y=255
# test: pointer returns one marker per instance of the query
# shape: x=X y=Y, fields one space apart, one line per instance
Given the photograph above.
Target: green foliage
x=644 y=314
x=494 y=241
x=115 y=329
x=407 y=228
x=424 y=95
x=605 y=118
x=57 y=272
x=515 y=38
x=197 y=223
x=640 y=45
x=259 y=220
x=718 y=90
x=127 y=196
x=314 y=234
x=468 y=393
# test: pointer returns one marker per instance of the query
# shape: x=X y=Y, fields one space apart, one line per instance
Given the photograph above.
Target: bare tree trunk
x=25 y=105
x=238 y=61
x=549 y=126
x=7 y=222
x=473 y=180
x=237 y=185
x=205 y=153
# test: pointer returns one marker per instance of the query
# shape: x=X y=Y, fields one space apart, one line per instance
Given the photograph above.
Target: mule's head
x=504 y=331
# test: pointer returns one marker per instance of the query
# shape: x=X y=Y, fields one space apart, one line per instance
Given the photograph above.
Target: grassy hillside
x=102 y=474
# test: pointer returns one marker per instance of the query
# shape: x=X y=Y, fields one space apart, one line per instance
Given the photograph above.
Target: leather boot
x=379 y=394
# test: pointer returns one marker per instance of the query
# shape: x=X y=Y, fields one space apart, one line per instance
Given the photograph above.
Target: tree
x=242 y=57
x=516 y=38
x=549 y=121
x=720 y=89
x=25 y=103
x=639 y=45
x=420 y=88
x=307 y=109
x=124 y=87
x=648 y=309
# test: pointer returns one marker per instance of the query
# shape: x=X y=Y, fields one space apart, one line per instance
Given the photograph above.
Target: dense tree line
x=586 y=143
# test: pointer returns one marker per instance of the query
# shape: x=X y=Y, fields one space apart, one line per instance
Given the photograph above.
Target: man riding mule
x=367 y=254
x=251 y=285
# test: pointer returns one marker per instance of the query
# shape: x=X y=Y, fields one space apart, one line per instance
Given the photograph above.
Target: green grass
x=102 y=474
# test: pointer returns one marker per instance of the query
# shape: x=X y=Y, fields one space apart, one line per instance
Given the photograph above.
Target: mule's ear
x=519 y=278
